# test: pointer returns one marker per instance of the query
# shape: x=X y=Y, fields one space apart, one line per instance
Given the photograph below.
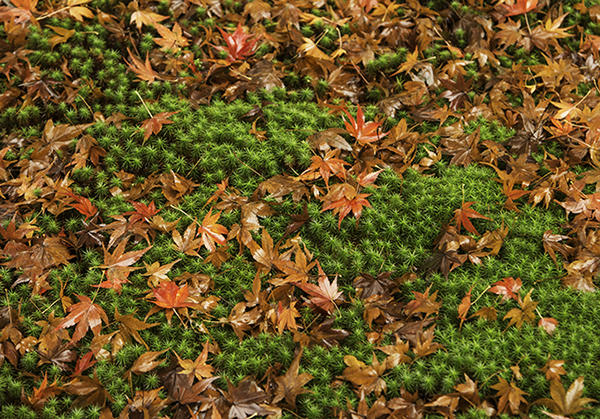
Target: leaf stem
x=144 y=103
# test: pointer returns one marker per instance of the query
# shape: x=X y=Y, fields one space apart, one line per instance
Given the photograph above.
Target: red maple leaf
x=239 y=45
x=142 y=211
x=520 y=7
x=507 y=287
x=154 y=125
x=364 y=133
x=83 y=205
x=86 y=315
x=462 y=217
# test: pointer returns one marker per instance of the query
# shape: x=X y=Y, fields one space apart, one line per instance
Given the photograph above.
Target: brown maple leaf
x=198 y=368
x=286 y=317
x=566 y=403
x=170 y=40
x=290 y=385
x=89 y=390
x=553 y=369
x=86 y=315
x=511 y=396
x=524 y=314
x=129 y=327
x=366 y=377
x=41 y=395
x=118 y=266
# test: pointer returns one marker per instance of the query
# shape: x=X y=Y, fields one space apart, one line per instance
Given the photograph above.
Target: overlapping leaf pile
x=437 y=73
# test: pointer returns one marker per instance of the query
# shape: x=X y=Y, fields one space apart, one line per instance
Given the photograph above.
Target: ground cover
x=299 y=209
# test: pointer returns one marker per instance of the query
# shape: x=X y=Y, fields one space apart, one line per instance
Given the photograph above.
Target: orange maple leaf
x=212 y=232
x=86 y=315
x=143 y=70
x=169 y=295
x=154 y=125
x=343 y=206
x=520 y=7
x=462 y=217
x=364 y=133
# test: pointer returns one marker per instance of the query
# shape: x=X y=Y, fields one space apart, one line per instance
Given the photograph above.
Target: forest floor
x=325 y=208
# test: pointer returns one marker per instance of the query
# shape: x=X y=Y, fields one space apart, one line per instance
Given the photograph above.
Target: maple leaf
x=511 y=396
x=244 y=399
x=462 y=216
x=553 y=369
x=118 y=266
x=169 y=295
x=142 y=211
x=325 y=167
x=86 y=315
x=525 y=313
x=286 y=317
x=396 y=353
x=423 y=303
x=548 y=323
x=464 y=306
x=89 y=390
x=343 y=198
x=264 y=254
x=83 y=205
x=198 y=367
x=41 y=395
x=364 y=133
x=154 y=125
x=239 y=45
x=170 y=40
x=324 y=295
x=551 y=243
x=367 y=377
x=211 y=231
x=143 y=70
x=369 y=285
x=187 y=243
x=520 y=7
x=144 y=16
x=83 y=364
x=144 y=363
x=129 y=327
x=290 y=385
x=507 y=287
x=62 y=35
x=322 y=335
x=566 y=403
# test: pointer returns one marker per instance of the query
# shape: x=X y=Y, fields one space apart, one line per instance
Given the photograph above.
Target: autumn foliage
x=185 y=234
